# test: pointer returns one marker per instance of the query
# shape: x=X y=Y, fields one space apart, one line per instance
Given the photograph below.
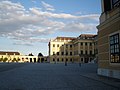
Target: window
x=107 y=5
x=53 y=53
x=115 y=3
x=62 y=59
x=62 y=53
x=86 y=52
x=71 y=60
x=66 y=59
x=90 y=52
x=90 y=44
x=70 y=53
x=70 y=46
x=53 y=59
x=57 y=53
x=81 y=51
x=58 y=59
x=66 y=46
x=81 y=44
x=81 y=59
x=86 y=44
x=114 y=49
x=66 y=53
x=53 y=45
x=58 y=45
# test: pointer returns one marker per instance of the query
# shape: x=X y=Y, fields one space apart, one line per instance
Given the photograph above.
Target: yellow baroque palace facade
x=73 y=49
x=8 y=56
x=109 y=39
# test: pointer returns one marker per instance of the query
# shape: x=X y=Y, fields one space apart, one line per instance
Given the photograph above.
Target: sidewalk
x=106 y=80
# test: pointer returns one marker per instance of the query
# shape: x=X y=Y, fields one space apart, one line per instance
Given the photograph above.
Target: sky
x=26 y=26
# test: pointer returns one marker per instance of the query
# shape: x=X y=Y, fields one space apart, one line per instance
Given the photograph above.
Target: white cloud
x=23 y=43
x=47 y=6
x=30 y=25
x=63 y=15
x=79 y=27
x=34 y=1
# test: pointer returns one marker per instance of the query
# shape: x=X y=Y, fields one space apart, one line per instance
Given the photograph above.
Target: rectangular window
x=58 y=59
x=70 y=53
x=86 y=44
x=53 y=45
x=81 y=44
x=66 y=53
x=62 y=53
x=90 y=44
x=71 y=60
x=66 y=46
x=90 y=52
x=53 y=53
x=107 y=5
x=57 y=53
x=70 y=46
x=58 y=45
x=81 y=51
x=86 y=52
x=114 y=48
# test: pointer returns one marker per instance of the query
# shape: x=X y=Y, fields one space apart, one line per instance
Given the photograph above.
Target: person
x=80 y=64
x=65 y=63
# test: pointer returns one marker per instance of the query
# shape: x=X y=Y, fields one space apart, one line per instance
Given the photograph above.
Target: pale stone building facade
x=61 y=49
x=6 y=56
x=72 y=49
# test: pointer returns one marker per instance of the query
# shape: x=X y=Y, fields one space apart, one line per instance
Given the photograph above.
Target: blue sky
x=27 y=26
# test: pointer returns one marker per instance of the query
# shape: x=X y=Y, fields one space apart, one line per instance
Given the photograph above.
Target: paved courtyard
x=45 y=76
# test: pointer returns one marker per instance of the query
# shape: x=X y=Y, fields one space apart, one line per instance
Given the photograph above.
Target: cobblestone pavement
x=37 y=76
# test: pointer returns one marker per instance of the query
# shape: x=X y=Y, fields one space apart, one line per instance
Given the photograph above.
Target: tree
x=1 y=59
x=5 y=59
x=18 y=59
x=30 y=54
x=40 y=54
x=14 y=60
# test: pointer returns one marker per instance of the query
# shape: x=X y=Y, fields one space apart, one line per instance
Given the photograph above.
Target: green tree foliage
x=14 y=60
x=40 y=54
x=18 y=59
x=30 y=54
x=5 y=59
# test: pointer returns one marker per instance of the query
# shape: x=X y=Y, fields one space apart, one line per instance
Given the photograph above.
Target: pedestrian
x=65 y=63
x=80 y=64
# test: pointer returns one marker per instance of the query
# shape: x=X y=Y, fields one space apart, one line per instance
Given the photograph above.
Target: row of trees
x=5 y=59
x=39 y=54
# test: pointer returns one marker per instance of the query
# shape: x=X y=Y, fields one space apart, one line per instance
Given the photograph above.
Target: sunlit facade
x=61 y=49
x=84 y=48
x=9 y=57
x=72 y=49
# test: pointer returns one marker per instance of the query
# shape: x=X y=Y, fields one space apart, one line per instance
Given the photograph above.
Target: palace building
x=109 y=39
x=9 y=56
x=72 y=49
x=61 y=49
